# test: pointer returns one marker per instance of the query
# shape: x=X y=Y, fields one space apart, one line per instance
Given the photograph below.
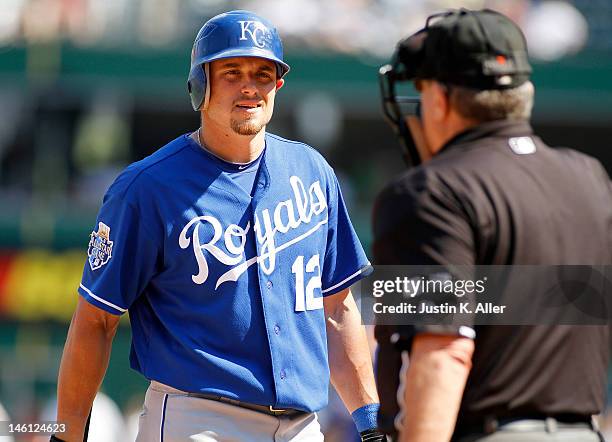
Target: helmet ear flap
x=196 y=85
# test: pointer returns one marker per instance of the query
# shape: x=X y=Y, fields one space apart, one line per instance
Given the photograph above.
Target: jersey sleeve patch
x=100 y=249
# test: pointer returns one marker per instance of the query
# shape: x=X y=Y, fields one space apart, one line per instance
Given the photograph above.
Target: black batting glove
x=373 y=435
x=56 y=439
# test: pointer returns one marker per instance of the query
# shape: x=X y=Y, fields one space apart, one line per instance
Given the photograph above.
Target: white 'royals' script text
x=288 y=215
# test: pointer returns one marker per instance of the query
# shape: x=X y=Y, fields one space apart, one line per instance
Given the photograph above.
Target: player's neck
x=231 y=146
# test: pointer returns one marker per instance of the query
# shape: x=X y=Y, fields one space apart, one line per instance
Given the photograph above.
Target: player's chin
x=247 y=127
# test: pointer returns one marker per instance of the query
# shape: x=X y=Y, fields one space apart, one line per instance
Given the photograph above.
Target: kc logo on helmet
x=253 y=28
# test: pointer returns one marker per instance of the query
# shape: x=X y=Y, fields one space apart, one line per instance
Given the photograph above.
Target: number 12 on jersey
x=304 y=295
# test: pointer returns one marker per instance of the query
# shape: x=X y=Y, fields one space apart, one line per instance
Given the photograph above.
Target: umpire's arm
x=350 y=363
x=419 y=220
x=84 y=363
x=432 y=387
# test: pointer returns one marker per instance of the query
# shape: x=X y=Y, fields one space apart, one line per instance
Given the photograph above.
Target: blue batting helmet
x=232 y=34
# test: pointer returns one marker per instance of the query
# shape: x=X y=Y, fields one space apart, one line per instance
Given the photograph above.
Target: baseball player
x=233 y=252
x=489 y=192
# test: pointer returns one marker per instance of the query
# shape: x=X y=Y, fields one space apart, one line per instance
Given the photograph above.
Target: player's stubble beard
x=247 y=127
x=250 y=125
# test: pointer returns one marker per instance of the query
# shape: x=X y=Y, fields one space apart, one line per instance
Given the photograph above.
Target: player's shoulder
x=285 y=142
x=138 y=176
x=293 y=150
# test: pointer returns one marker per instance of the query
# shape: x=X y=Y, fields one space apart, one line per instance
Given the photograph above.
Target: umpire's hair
x=489 y=105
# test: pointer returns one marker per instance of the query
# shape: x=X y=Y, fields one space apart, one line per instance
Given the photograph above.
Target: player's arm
x=84 y=363
x=433 y=386
x=350 y=363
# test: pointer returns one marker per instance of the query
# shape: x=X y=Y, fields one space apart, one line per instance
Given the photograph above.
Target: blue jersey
x=224 y=289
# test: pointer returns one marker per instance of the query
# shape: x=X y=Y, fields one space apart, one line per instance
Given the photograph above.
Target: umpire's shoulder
x=584 y=165
x=412 y=185
x=399 y=197
x=411 y=196
x=440 y=180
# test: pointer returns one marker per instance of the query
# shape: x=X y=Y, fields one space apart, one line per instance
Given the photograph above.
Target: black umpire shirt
x=497 y=195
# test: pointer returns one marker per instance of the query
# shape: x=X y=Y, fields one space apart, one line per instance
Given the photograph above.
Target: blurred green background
x=88 y=86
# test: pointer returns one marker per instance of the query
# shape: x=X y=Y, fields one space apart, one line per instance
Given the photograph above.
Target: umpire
x=488 y=192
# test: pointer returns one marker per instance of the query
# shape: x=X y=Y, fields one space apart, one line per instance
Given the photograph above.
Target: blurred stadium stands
x=87 y=86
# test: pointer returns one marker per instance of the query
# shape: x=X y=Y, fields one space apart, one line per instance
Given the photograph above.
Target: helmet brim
x=245 y=52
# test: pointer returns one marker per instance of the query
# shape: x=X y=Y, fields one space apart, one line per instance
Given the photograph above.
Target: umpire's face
x=439 y=118
x=242 y=91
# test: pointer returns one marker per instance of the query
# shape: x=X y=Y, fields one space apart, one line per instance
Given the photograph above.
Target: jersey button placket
x=277 y=329
x=269 y=284
x=283 y=374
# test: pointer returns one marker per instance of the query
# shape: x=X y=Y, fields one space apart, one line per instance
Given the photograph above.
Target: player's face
x=242 y=93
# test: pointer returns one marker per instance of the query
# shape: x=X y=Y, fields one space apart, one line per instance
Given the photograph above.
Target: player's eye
x=232 y=74
x=264 y=75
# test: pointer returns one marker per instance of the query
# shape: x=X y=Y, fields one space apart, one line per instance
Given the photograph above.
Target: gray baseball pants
x=171 y=415
x=537 y=431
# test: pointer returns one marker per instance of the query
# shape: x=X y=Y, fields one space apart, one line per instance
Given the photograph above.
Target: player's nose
x=249 y=87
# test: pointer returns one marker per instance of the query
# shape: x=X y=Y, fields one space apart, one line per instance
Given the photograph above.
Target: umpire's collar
x=497 y=128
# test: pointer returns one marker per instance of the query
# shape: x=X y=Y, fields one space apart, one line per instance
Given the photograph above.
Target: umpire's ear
x=440 y=102
x=279 y=83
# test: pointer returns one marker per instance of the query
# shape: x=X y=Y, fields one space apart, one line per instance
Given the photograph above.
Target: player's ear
x=279 y=83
